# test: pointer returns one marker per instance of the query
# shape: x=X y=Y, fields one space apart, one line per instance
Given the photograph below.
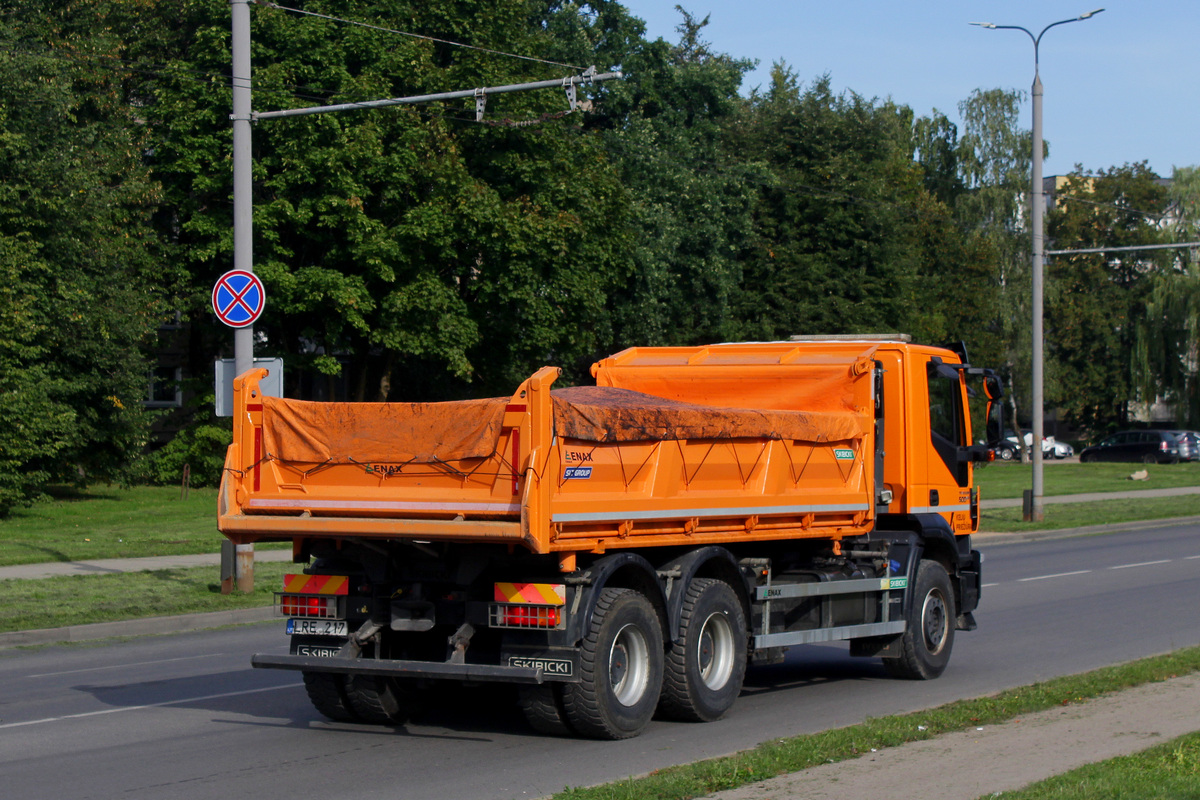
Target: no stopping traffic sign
x=238 y=298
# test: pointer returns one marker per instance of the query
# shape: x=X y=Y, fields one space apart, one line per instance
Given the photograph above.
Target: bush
x=201 y=446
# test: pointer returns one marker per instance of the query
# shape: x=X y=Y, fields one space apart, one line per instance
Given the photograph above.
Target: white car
x=1050 y=447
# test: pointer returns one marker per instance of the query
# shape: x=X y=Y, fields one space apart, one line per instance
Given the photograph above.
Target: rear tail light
x=311 y=606
x=524 y=615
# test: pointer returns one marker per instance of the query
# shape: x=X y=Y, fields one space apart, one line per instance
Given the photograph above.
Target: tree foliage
x=82 y=280
x=1096 y=302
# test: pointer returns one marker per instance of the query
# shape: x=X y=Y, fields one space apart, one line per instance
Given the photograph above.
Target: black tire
x=621 y=668
x=929 y=637
x=1005 y=453
x=1149 y=458
x=543 y=709
x=1088 y=459
x=705 y=669
x=327 y=692
x=379 y=701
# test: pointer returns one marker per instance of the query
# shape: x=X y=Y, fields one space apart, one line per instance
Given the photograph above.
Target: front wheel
x=705 y=669
x=621 y=668
x=929 y=635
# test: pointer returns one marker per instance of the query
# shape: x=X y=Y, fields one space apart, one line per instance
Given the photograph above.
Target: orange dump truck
x=623 y=548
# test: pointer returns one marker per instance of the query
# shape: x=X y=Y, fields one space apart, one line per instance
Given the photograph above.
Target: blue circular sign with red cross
x=238 y=298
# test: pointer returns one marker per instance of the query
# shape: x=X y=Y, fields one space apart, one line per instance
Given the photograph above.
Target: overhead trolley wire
x=301 y=11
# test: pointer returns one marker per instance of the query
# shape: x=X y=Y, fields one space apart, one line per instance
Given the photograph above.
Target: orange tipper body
x=673 y=446
x=626 y=549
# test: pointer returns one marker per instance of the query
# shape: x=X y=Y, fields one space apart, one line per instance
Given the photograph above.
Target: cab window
x=946 y=418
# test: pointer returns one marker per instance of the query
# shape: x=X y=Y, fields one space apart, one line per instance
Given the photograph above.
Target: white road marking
x=1055 y=575
x=179 y=702
x=123 y=666
x=1142 y=564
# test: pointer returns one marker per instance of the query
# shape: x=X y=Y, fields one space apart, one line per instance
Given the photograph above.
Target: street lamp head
x=1090 y=14
x=992 y=24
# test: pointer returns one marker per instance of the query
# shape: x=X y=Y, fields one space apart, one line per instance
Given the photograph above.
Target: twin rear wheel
x=360 y=698
x=706 y=667
x=627 y=672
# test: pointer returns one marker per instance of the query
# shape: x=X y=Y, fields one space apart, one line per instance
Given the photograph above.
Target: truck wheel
x=327 y=692
x=379 y=701
x=543 y=709
x=704 y=672
x=621 y=668
x=929 y=637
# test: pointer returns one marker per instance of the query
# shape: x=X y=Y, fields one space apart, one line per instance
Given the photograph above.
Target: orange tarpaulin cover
x=296 y=430
x=341 y=433
x=605 y=414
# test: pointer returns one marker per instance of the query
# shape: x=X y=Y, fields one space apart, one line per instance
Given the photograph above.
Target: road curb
x=181 y=623
x=1087 y=530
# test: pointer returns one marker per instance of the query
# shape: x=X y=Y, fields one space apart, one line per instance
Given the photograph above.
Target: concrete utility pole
x=243 y=199
x=1034 y=512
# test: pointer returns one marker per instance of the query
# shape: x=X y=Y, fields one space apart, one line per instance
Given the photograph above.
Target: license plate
x=317 y=627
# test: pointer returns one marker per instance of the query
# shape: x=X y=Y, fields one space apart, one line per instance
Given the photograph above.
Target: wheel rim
x=629 y=665
x=716 y=651
x=935 y=621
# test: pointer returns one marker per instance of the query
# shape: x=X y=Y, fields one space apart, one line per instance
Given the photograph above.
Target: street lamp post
x=1038 y=208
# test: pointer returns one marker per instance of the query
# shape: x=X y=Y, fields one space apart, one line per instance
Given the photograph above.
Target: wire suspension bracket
x=480 y=95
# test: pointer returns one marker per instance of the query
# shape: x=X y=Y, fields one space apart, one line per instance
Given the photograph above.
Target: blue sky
x=1121 y=87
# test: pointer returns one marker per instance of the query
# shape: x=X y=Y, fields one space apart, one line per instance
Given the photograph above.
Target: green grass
x=84 y=599
x=1169 y=771
x=999 y=480
x=1074 y=515
x=111 y=522
x=781 y=756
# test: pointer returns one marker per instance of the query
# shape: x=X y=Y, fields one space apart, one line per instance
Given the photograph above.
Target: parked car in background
x=1009 y=450
x=1056 y=449
x=1149 y=447
x=1189 y=445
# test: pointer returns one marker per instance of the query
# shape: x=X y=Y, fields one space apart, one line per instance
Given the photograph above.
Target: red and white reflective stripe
x=316 y=584
x=549 y=594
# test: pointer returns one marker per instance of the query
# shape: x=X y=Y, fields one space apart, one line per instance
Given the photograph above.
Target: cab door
x=940 y=440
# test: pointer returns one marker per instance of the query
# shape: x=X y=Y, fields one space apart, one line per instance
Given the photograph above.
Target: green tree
x=690 y=192
x=1097 y=302
x=1167 y=355
x=835 y=247
x=993 y=157
x=408 y=252
x=82 y=274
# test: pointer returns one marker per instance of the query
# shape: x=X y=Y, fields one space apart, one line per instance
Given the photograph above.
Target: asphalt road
x=185 y=717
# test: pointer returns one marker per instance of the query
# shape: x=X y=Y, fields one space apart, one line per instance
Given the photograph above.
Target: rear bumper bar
x=400 y=669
